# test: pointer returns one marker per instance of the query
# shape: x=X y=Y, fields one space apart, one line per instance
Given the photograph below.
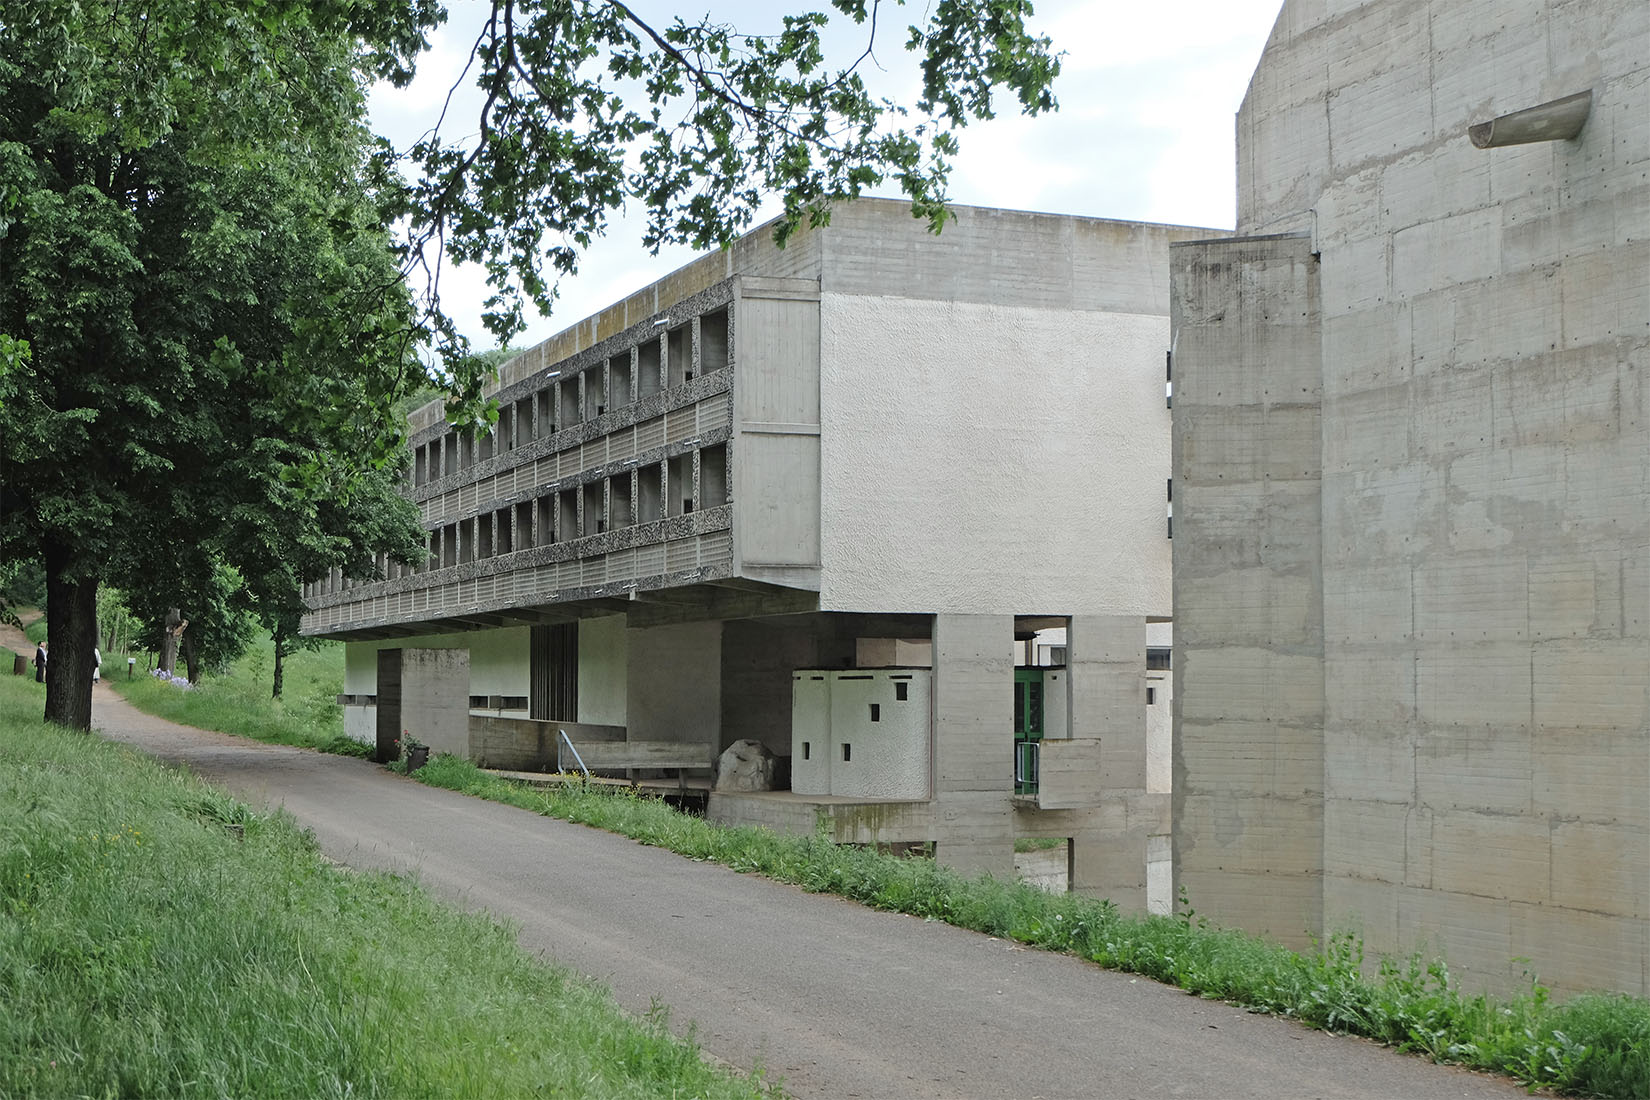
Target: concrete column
x=435 y=698
x=973 y=743
x=1106 y=659
x=1248 y=584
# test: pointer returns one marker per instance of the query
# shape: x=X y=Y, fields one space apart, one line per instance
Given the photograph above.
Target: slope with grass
x=158 y=938
x=238 y=701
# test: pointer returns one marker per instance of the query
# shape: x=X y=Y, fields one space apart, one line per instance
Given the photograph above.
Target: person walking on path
x=40 y=662
x=97 y=663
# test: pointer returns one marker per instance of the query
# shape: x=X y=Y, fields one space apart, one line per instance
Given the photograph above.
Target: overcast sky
x=1144 y=132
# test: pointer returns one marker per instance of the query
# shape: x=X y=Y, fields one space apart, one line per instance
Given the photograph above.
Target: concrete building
x=813 y=497
x=1412 y=486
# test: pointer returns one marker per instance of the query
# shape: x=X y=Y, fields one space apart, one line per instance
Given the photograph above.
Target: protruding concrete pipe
x=1559 y=120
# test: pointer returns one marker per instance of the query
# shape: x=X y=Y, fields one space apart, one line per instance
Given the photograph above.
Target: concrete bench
x=628 y=756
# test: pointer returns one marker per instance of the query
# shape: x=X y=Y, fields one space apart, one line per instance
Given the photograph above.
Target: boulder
x=745 y=766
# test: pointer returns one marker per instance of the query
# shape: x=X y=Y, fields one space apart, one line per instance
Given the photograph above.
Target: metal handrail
x=565 y=740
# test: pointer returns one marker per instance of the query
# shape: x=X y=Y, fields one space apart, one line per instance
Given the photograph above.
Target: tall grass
x=1592 y=1045
x=159 y=938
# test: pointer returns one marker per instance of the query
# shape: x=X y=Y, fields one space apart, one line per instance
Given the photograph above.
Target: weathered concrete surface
x=1483 y=517
x=840 y=1000
x=1248 y=668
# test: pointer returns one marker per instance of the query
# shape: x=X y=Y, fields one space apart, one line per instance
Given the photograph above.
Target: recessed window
x=902 y=691
x=647 y=368
x=713 y=342
x=847 y=752
x=807 y=749
x=876 y=712
x=713 y=476
x=679 y=354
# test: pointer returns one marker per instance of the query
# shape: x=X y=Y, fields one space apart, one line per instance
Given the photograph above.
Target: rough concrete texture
x=1248 y=756
x=435 y=698
x=1482 y=606
x=951 y=470
x=973 y=707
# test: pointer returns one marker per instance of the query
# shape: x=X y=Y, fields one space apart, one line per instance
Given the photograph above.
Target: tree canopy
x=211 y=300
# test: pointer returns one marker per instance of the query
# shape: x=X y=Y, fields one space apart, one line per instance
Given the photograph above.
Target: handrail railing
x=565 y=740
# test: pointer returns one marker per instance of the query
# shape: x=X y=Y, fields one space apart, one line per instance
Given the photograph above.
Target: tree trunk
x=192 y=658
x=169 y=642
x=280 y=663
x=71 y=628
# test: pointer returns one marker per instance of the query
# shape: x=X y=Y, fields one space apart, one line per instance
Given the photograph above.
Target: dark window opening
x=554 y=673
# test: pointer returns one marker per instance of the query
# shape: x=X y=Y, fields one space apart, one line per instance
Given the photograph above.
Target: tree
x=195 y=230
x=196 y=261
x=292 y=536
x=724 y=120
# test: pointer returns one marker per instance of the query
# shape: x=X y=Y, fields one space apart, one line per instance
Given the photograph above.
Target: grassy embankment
x=307 y=714
x=1593 y=1045
x=157 y=938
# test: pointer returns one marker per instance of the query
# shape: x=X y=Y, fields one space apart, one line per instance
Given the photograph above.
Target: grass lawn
x=158 y=938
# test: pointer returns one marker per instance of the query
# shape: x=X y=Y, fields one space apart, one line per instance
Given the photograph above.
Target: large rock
x=746 y=766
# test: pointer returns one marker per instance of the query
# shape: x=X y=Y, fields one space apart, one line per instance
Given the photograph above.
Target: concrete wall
x=998 y=459
x=434 y=705
x=1484 y=336
x=973 y=680
x=498 y=660
x=676 y=693
x=861 y=733
x=1248 y=643
x=757 y=660
x=776 y=419
x=604 y=663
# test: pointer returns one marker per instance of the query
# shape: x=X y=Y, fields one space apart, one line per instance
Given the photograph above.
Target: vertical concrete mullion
x=695 y=352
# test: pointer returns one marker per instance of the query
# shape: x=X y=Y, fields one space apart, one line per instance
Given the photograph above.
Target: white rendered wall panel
x=811 y=732
x=958 y=438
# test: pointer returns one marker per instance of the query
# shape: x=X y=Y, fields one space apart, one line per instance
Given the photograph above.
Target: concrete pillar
x=973 y=743
x=1248 y=584
x=1106 y=658
x=435 y=698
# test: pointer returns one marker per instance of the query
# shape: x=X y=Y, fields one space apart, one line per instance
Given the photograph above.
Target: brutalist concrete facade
x=874 y=439
x=1412 y=481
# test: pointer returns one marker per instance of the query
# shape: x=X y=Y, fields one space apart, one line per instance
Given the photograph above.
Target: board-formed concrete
x=1414 y=684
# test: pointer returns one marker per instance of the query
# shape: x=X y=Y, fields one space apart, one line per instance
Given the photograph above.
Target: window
x=553 y=675
x=713 y=476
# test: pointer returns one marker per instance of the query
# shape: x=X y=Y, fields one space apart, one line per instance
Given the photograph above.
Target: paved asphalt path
x=834 y=999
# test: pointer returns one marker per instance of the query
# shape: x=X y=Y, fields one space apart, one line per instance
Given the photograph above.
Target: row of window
x=626 y=498
x=654 y=365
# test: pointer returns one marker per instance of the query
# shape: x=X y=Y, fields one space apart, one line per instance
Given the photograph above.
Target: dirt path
x=15 y=640
x=834 y=999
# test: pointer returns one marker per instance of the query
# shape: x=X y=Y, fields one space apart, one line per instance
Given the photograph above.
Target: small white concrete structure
x=873 y=728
